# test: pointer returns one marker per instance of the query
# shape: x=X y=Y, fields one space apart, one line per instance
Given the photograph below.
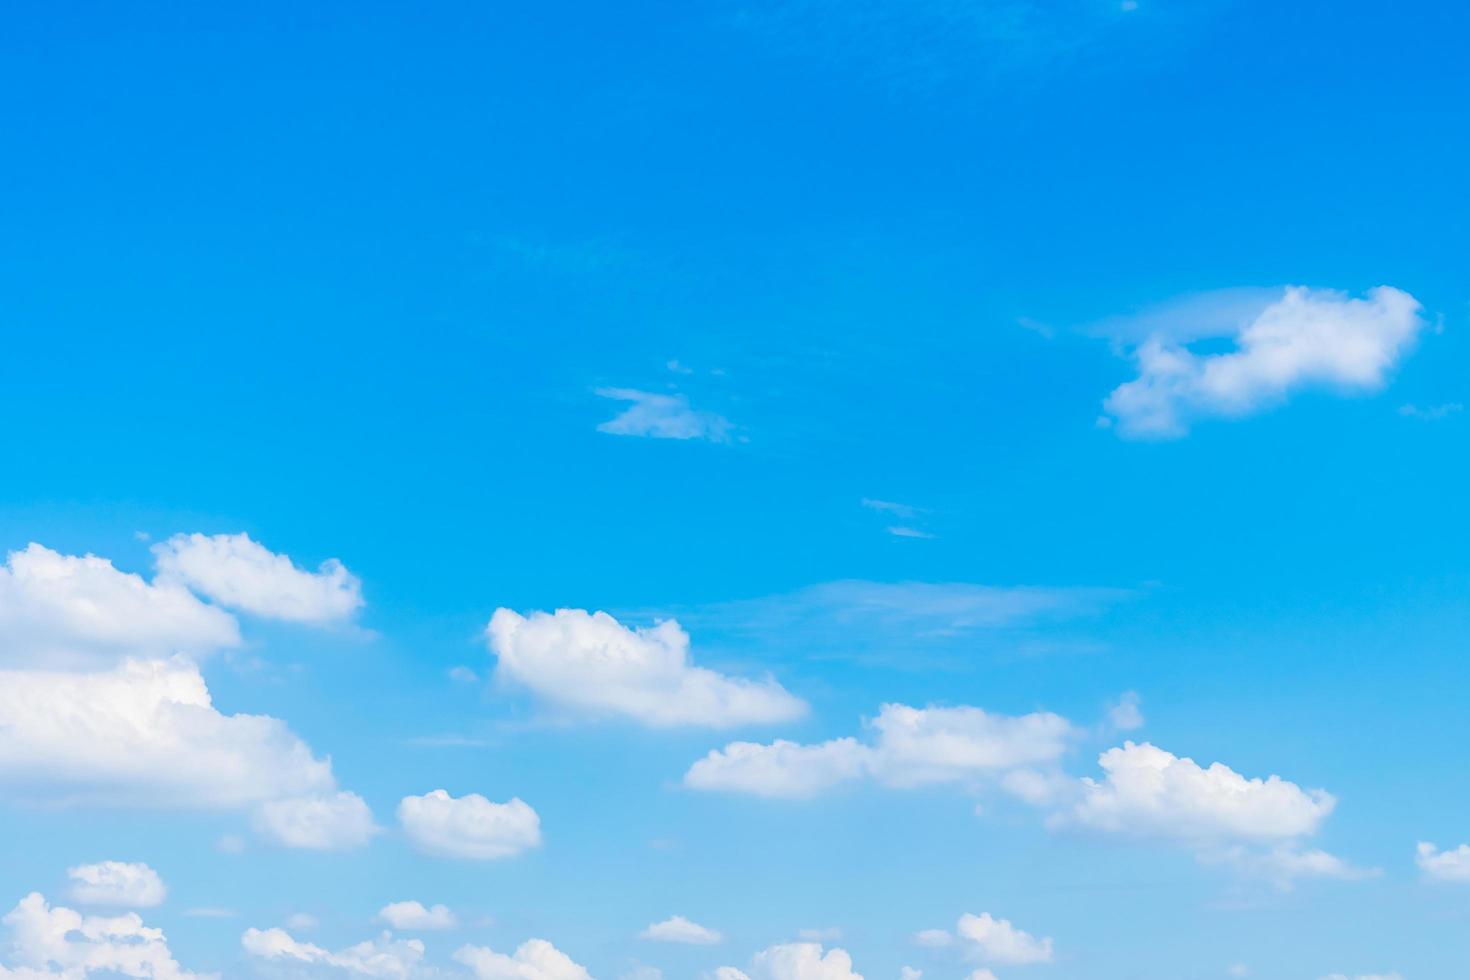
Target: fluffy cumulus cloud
x=535 y=959
x=677 y=929
x=414 y=915
x=468 y=826
x=1452 y=865
x=657 y=416
x=795 y=961
x=326 y=822
x=910 y=747
x=144 y=733
x=1149 y=792
x=780 y=768
x=1304 y=338
x=384 y=957
x=59 y=942
x=589 y=663
x=237 y=572
x=997 y=941
x=117 y=884
x=69 y=612
x=1255 y=826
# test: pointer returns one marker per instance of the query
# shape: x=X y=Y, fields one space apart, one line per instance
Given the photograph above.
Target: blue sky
x=1042 y=421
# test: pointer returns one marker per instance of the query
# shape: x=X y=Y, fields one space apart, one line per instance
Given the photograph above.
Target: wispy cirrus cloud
x=1431 y=413
x=662 y=416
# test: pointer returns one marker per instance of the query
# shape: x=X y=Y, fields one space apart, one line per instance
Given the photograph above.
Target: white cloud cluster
x=795 y=961
x=469 y=826
x=535 y=959
x=912 y=747
x=590 y=663
x=1149 y=792
x=145 y=733
x=997 y=941
x=414 y=915
x=1305 y=338
x=677 y=929
x=58 y=942
x=237 y=572
x=325 y=822
x=117 y=884
x=1452 y=865
x=992 y=940
x=120 y=715
x=69 y=612
x=384 y=958
x=657 y=416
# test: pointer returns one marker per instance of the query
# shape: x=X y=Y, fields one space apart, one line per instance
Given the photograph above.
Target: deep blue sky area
x=1010 y=360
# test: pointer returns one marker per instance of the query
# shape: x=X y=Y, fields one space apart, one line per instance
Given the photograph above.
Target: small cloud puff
x=677 y=929
x=657 y=416
x=469 y=826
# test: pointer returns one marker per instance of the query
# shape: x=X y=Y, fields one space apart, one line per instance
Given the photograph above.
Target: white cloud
x=795 y=961
x=302 y=922
x=903 y=511
x=677 y=929
x=662 y=417
x=1440 y=865
x=469 y=826
x=1286 y=863
x=1125 y=716
x=1431 y=413
x=780 y=769
x=384 y=957
x=413 y=915
x=58 y=942
x=117 y=884
x=463 y=675
x=997 y=941
x=146 y=734
x=1305 y=338
x=944 y=745
x=933 y=938
x=913 y=747
x=237 y=572
x=1147 y=791
x=535 y=959
x=910 y=973
x=69 y=612
x=590 y=663
x=327 y=822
